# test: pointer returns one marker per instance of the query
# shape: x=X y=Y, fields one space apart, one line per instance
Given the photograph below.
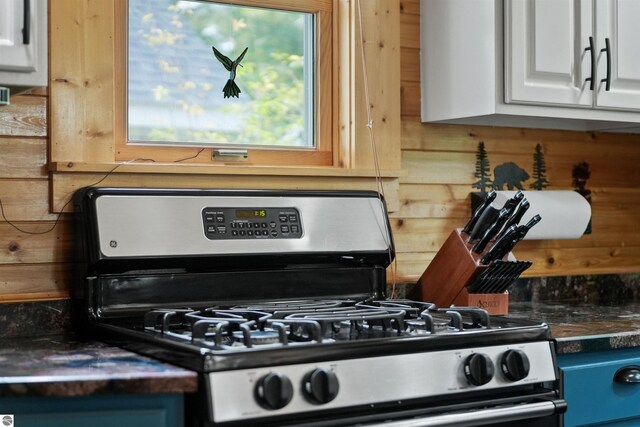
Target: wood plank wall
x=34 y=262
x=439 y=162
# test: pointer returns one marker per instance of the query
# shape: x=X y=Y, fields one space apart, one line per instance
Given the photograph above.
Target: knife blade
x=515 y=219
x=499 y=246
x=491 y=196
x=492 y=230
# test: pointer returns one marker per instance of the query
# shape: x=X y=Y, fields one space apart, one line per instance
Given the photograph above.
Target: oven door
x=501 y=413
x=535 y=414
x=542 y=409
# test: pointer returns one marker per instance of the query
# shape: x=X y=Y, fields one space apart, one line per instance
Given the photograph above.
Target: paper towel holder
x=478 y=197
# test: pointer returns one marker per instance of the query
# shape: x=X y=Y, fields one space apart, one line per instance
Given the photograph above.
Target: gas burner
x=449 y=320
x=267 y=336
x=280 y=309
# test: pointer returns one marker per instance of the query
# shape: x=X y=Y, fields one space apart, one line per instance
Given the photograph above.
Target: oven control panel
x=290 y=389
x=224 y=223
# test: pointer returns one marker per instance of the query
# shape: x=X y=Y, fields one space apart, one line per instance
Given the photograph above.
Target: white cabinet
x=545 y=60
x=528 y=63
x=23 y=43
x=618 y=21
x=576 y=53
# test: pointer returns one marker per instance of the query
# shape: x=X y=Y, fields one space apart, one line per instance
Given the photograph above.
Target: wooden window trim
x=82 y=108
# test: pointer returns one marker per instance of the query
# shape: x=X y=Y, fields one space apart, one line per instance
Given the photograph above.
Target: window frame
x=325 y=112
x=82 y=112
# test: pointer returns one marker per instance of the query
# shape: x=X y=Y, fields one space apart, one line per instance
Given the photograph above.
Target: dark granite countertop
x=60 y=365
x=580 y=327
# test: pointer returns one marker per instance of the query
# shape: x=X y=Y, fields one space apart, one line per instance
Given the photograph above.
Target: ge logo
x=113 y=244
x=7 y=420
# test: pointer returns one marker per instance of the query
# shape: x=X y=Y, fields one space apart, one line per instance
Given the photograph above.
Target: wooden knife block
x=451 y=270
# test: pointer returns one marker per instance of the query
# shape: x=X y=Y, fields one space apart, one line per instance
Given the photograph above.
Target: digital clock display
x=251 y=213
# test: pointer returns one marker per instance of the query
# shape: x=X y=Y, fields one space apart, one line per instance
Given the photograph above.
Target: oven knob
x=274 y=391
x=514 y=365
x=320 y=386
x=478 y=368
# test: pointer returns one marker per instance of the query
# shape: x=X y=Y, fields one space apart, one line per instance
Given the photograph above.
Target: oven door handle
x=482 y=416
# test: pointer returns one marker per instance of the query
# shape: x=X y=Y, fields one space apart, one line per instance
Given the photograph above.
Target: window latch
x=230 y=155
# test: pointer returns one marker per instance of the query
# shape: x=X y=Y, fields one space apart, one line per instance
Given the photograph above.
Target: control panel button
x=274 y=391
x=478 y=368
x=219 y=223
x=514 y=365
x=320 y=386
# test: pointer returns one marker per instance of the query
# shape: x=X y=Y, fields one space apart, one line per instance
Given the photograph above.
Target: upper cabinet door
x=23 y=42
x=17 y=48
x=545 y=58
x=618 y=22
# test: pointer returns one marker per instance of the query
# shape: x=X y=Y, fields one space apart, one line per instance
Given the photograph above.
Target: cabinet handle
x=607 y=49
x=592 y=50
x=26 y=19
x=627 y=375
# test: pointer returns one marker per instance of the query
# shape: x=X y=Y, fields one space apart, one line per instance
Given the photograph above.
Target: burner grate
x=299 y=322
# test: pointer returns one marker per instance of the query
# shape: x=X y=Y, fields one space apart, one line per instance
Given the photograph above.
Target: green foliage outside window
x=175 y=83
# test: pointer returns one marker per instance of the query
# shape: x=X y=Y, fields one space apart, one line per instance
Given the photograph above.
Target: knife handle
x=516 y=217
x=513 y=202
x=500 y=247
x=486 y=219
x=491 y=231
x=533 y=221
x=476 y=215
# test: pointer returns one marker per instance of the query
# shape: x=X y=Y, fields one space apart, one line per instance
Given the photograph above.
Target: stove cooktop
x=251 y=334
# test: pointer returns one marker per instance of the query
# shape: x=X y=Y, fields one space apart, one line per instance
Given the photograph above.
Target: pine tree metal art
x=482 y=170
x=539 y=170
x=230 y=89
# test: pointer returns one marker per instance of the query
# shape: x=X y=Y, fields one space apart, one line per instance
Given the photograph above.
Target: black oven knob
x=274 y=391
x=320 y=386
x=478 y=368
x=514 y=365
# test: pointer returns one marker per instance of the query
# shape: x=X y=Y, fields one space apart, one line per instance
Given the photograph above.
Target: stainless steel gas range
x=277 y=299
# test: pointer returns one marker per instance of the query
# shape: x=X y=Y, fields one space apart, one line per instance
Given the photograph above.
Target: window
x=173 y=100
x=88 y=99
x=179 y=93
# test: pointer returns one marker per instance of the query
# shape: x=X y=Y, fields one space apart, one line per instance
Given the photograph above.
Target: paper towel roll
x=565 y=214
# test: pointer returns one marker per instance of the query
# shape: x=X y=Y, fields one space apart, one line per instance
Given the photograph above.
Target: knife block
x=455 y=266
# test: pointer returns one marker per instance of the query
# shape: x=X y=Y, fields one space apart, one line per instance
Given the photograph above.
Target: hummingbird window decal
x=230 y=89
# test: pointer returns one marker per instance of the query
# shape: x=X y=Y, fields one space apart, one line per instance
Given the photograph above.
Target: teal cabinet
x=158 y=410
x=592 y=395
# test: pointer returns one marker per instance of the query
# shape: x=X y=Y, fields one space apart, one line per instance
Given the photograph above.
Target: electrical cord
x=393 y=262
x=57 y=220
